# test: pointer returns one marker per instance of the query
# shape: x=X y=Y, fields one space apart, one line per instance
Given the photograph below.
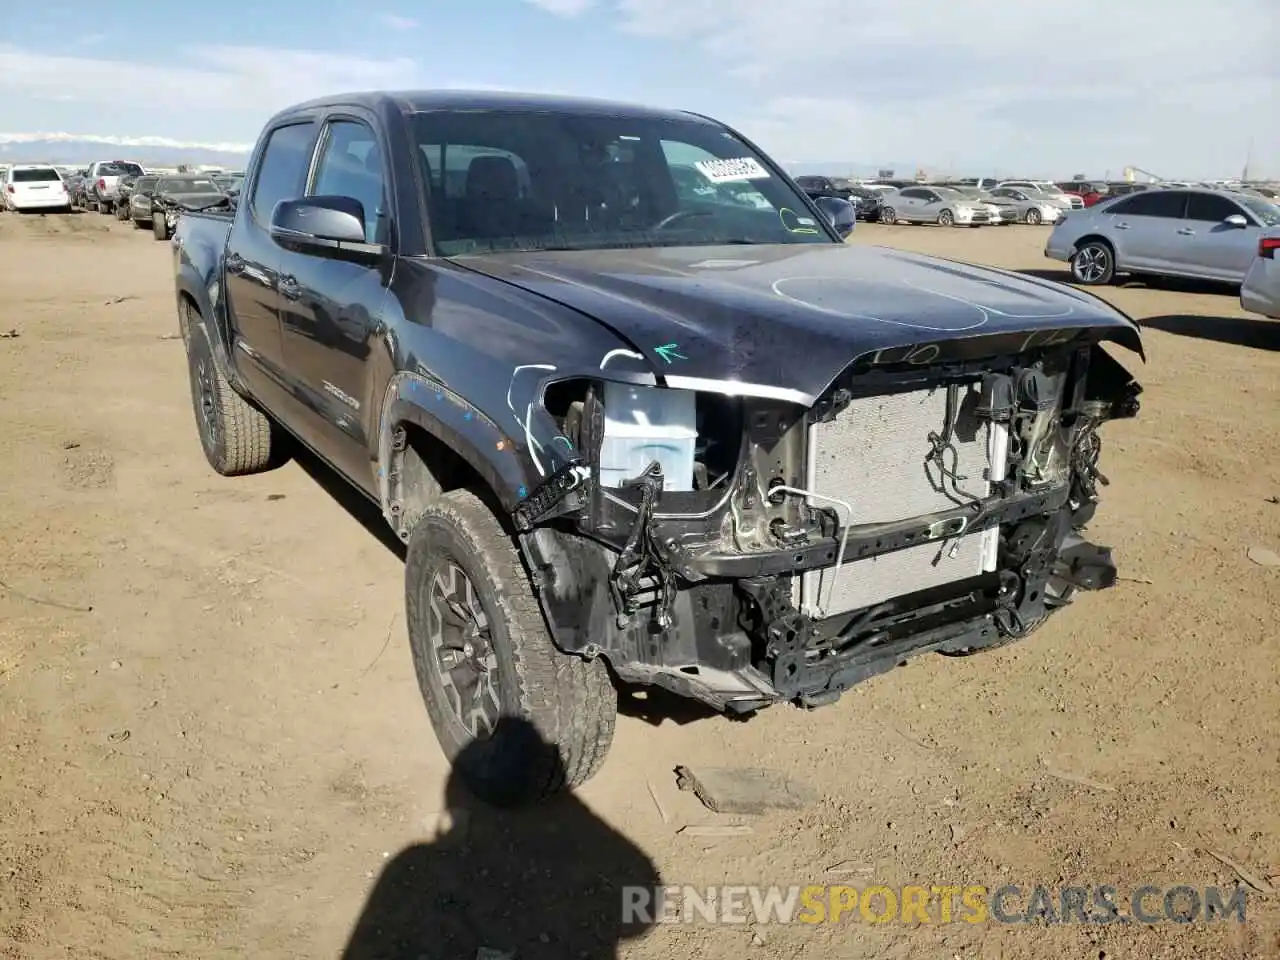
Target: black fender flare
x=190 y=285
x=501 y=460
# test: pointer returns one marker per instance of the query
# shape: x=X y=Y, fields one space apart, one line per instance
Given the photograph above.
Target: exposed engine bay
x=745 y=550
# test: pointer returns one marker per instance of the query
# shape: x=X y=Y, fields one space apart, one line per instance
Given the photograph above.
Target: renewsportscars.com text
x=933 y=904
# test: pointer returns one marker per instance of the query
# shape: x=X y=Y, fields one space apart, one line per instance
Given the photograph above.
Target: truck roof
x=414 y=101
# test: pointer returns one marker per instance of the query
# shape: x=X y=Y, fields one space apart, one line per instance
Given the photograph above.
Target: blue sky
x=987 y=86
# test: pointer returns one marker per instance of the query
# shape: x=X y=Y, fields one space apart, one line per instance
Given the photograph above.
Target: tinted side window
x=282 y=168
x=911 y=194
x=351 y=166
x=1206 y=206
x=1153 y=203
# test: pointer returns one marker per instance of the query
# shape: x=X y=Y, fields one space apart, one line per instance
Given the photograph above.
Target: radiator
x=873 y=457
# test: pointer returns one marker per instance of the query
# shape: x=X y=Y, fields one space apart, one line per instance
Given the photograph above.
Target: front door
x=1145 y=230
x=1212 y=247
x=330 y=308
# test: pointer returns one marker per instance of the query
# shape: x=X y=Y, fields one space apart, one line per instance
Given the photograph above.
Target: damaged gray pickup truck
x=635 y=431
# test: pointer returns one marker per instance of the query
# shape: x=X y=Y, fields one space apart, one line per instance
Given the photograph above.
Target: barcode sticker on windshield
x=724 y=171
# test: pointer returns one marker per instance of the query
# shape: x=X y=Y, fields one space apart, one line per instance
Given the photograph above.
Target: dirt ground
x=212 y=743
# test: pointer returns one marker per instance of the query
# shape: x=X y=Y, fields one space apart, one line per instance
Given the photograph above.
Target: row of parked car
x=981 y=201
x=119 y=188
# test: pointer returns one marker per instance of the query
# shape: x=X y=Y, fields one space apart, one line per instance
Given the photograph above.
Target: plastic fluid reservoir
x=644 y=424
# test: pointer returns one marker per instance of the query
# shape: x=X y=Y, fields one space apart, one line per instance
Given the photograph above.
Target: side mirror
x=322 y=225
x=839 y=213
x=1236 y=220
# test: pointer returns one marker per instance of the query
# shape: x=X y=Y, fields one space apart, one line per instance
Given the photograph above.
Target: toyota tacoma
x=635 y=437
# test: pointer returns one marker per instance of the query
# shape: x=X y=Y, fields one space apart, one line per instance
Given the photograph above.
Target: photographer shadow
x=529 y=882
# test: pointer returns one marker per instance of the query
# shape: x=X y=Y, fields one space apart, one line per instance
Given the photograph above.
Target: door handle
x=289 y=289
x=235 y=263
x=1122 y=226
x=1186 y=232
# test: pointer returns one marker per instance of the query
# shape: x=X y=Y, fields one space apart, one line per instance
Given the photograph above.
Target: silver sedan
x=1032 y=207
x=1202 y=234
x=944 y=206
x=1260 y=291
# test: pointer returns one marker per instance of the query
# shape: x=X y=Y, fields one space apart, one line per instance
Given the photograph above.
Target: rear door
x=1144 y=229
x=331 y=308
x=1212 y=247
x=909 y=204
x=253 y=258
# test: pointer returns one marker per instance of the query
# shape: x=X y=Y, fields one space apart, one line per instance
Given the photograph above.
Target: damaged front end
x=744 y=550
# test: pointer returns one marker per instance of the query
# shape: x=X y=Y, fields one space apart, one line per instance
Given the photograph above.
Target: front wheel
x=1033 y=217
x=888 y=215
x=518 y=719
x=160 y=227
x=946 y=219
x=1094 y=263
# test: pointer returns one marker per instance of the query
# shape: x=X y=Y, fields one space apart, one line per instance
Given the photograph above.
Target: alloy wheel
x=1091 y=263
x=459 y=632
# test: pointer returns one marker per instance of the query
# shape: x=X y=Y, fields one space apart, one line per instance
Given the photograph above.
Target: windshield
x=41 y=175
x=192 y=185
x=119 y=168
x=1268 y=214
x=502 y=180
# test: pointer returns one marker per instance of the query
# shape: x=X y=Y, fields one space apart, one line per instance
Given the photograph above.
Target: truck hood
x=785 y=320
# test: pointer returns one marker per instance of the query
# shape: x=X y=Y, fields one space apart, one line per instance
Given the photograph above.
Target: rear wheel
x=235 y=435
x=519 y=719
x=946 y=219
x=1094 y=263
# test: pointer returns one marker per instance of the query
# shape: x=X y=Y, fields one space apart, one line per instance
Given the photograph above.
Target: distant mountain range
x=80 y=149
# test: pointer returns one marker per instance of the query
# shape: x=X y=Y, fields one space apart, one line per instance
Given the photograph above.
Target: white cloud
x=1039 y=83
x=196 y=85
x=114 y=141
x=397 y=22
x=564 y=8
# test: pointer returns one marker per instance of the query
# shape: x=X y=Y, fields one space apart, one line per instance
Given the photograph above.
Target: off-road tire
x=160 y=227
x=235 y=435
x=570 y=702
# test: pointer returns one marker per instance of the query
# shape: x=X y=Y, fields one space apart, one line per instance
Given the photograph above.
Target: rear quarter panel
x=199 y=244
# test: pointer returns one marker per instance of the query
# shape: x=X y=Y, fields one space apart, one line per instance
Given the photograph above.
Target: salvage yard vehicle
x=629 y=433
x=102 y=181
x=34 y=187
x=1032 y=207
x=1260 y=291
x=139 y=205
x=1049 y=189
x=174 y=196
x=945 y=206
x=1199 y=234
